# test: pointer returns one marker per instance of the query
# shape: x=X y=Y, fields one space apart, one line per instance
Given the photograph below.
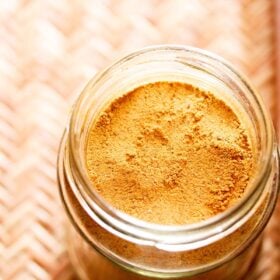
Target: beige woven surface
x=48 y=50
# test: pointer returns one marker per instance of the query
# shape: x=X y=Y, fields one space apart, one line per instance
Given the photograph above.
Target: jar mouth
x=189 y=236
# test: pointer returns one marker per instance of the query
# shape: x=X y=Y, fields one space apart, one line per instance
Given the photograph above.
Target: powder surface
x=169 y=153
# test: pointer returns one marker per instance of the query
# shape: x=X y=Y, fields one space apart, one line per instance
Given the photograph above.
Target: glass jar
x=105 y=243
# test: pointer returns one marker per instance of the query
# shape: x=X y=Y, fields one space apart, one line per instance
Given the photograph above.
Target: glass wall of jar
x=105 y=243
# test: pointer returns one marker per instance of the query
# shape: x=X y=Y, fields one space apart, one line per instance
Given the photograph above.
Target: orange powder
x=169 y=153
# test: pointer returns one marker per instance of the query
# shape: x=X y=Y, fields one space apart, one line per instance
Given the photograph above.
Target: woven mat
x=48 y=51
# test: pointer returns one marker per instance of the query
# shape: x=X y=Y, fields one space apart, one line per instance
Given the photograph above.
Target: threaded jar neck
x=175 y=63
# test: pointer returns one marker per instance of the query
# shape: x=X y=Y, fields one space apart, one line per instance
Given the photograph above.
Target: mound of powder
x=169 y=153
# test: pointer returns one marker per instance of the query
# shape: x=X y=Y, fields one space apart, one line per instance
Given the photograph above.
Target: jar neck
x=185 y=62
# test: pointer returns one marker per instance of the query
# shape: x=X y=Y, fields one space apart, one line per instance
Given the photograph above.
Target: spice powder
x=169 y=153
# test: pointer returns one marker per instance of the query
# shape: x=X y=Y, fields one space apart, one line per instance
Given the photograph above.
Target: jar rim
x=166 y=236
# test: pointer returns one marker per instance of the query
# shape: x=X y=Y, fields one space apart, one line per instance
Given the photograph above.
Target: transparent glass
x=104 y=242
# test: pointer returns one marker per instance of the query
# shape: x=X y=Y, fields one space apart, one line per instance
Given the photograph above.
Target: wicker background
x=48 y=51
